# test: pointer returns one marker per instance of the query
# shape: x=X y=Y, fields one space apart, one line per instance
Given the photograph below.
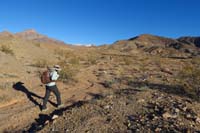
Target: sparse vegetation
x=37 y=44
x=108 y=83
x=65 y=54
x=74 y=60
x=41 y=63
x=91 y=59
x=6 y=49
x=67 y=74
x=69 y=69
x=6 y=93
x=189 y=78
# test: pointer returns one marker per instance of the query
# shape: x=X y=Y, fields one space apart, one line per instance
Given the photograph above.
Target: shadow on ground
x=19 y=86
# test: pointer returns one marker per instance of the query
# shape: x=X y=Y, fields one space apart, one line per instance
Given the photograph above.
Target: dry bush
x=74 y=61
x=6 y=49
x=69 y=70
x=67 y=74
x=64 y=53
x=37 y=45
x=91 y=59
x=41 y=63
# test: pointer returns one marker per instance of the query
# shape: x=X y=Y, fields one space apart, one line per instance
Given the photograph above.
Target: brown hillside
x=156 y=45
x=190 y=40
x=34 y=36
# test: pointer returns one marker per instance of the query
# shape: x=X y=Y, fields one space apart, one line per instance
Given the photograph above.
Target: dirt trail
x=23 y=112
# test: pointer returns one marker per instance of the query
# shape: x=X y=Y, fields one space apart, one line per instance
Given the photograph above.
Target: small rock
x=158 y=129
x=177 y=110
x=107 y=107
x=188 y=116
x=198 y=119
x=105 y=72
x=129 y=124
x=168 y=115
x=185 y=108
x=141 y=100
x=46 y=122
x=54 y=117
x=110 y=96
x=155 y=118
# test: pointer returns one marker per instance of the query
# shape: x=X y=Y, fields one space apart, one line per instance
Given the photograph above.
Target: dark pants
x=50 y=89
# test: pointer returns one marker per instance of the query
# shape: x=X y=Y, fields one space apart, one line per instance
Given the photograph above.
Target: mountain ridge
x=32 y=34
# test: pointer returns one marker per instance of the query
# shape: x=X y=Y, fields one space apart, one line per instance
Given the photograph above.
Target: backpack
x=45 y=77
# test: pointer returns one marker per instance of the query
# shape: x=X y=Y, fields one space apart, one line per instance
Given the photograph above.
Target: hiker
x=51 y=87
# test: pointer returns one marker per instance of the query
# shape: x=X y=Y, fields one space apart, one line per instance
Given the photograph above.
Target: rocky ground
x=124 y=110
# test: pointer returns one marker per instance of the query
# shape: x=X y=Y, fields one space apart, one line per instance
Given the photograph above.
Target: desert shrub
x=74 y=61
x=67 y=74
x=6 y=49
x=38 y=44
x=189 y=78
x=195 y=61
x=59 y=52
x=69 y=70
x=109 y=83
x=92 y=59
x=41 y=63
x=64 y=53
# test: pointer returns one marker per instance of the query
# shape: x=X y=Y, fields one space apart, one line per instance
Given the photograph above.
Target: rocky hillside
x=186 y=46
x=190 y=40
x=34 y=36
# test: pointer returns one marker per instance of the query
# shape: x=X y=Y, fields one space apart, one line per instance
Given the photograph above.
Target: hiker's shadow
x=19 y=86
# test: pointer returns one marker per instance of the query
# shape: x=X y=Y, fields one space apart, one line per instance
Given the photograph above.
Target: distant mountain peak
x=32 y=34
x=27 y=32
x=143 y=36
x=6 y=33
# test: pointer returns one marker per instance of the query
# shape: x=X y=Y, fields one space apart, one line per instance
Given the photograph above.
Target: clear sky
x=101 y=21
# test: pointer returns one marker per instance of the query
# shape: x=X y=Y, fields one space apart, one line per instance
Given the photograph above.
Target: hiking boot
x=61 y=106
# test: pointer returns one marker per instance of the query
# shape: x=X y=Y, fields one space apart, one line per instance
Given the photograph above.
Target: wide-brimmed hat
x=57 y=67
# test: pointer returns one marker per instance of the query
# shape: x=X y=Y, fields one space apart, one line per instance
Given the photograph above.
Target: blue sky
x=101 y=21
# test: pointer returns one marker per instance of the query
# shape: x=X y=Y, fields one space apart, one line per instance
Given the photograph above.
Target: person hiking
x=52 y=87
